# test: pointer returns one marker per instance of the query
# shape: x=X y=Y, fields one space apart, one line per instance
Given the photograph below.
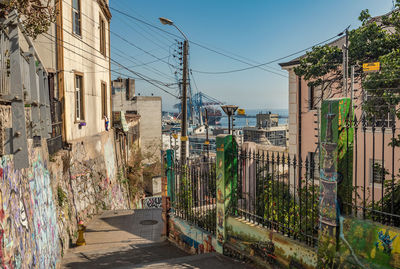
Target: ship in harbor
x=213 y=115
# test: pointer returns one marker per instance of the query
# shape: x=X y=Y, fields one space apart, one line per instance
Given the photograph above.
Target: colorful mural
x=266 y=247
x=336 y=151
x=192 y=239
x=369 y=245
x=226 y=182
x=28 y=223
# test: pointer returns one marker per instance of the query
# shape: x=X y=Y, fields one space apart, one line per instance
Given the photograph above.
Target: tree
x=36 y=15
x=378 y=39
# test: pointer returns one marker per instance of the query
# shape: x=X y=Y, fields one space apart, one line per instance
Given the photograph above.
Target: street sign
x=371 y=67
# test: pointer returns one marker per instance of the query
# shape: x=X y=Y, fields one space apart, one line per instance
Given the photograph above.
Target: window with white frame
x=76 y=17
x=79 y=98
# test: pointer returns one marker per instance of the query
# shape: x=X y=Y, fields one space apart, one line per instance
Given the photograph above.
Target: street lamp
x=230 y=111
x=184 y=138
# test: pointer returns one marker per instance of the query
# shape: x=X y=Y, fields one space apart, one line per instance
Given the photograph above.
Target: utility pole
x=346 y=62
x=207 y=141
x=184 y=103
x=352 y=93
x=184 y=137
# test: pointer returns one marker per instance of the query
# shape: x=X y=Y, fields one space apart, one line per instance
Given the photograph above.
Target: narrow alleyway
x=132 y=239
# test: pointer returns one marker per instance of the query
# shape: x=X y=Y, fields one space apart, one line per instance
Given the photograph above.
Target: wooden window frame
x=81 y=117
x=73 y=19
x=104 y=103
x=102 y=30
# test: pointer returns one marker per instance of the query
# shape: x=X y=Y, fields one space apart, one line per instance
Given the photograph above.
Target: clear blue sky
x=257 y=30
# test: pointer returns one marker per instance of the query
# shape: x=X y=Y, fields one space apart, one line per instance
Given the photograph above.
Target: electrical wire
x=124 y=67
x=215 y=51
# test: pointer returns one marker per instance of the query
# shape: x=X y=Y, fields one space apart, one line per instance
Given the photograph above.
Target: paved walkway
x=132 y=239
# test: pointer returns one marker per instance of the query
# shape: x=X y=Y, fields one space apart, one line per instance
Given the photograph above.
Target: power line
x=147 y=27
x=270 y=62
x=151 y=69
x=102 y=56
x=124 y=67
x=215 y=51
x=130 y=43
x=200 y=45
x=120 y=37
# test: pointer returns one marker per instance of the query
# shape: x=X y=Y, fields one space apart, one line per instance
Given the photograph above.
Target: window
x=76 y=17
x=79 y=98
x=311 y=97
x=103 y=99
x=102 y=36
x=375 y=172
x=382 y=111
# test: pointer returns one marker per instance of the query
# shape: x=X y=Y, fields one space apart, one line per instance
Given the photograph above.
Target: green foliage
x=185 y=193
x=389 y=203
x=377 y=39
x=207 y=220
x=61 y=195
x=37 y=15
x=327 y=251
x=138 y=167
x=296 y=209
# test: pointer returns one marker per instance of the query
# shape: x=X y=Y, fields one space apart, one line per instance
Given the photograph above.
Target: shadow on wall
x=88 y=183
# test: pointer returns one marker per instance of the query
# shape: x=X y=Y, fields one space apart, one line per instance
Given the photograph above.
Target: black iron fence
x=376 y=185
x=194 y=193
x=279 y=192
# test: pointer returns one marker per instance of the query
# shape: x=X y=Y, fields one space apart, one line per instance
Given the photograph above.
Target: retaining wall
x=266 y=247
x=189 y=237
x=40 y=206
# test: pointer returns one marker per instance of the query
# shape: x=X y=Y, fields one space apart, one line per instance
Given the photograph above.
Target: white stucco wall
x=82 y=54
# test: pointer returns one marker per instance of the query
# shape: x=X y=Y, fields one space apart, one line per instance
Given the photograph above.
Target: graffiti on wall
x=28 y=224
x=369 y=245
x=92 y=179
x=266 y=246
x=196 y=240
x=328 y=173
x=152 y=202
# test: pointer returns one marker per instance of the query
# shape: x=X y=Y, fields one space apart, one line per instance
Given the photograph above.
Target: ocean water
x=242 y=122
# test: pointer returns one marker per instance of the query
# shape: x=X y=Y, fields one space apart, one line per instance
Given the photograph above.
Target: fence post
x=168 y=190
x=170 y=174
x=336 y=164
x=226 y=183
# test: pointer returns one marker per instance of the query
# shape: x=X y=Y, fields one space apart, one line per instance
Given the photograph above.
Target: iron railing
x=376 y=186
x=194 y=193
x=280 y=192
x=4 y=64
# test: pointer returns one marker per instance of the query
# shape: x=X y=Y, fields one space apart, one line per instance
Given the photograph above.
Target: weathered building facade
x=150 y=110
x=65 y=79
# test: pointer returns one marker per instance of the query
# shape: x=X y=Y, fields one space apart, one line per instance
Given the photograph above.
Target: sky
x=253 y=31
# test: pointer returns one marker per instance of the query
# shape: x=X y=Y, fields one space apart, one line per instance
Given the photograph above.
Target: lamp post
x=184 y=138
x=229 y=111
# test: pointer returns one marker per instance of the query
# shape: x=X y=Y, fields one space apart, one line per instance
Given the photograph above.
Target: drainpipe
x=299 y=103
